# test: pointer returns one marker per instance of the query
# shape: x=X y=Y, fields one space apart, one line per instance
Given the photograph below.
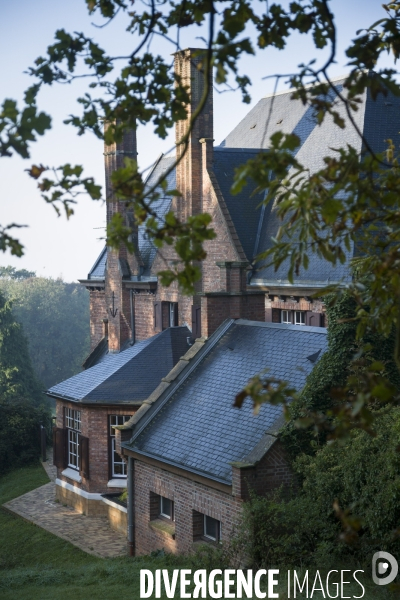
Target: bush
x=20 y=424
x=362 y=475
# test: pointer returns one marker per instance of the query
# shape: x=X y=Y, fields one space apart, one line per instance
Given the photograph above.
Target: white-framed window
x=73 y=423
x=73 y=449
x=299 y=317
x=167 y=508
x=118 y=466
x=212 y=529
x=286 y=316
x=73 y=419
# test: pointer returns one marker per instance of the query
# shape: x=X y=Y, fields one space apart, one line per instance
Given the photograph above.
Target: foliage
x=363 y=474
x=353 y=378
x=17 y=378
x=13 y=273
x=23 y=407
x=329 y=404
x=55 y=317
x=20 y=422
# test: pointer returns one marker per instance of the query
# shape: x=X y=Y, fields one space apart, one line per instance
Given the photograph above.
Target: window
x=212 y=529
x=162 y=515
x=73 y=422
x=167 y=508
x=299 y=317
x=286 y=316
x=172 y=314
x=118 y=466
x=73 y=419
x=165 y=315
x=196 y=322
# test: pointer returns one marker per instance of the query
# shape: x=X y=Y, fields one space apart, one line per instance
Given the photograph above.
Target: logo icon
x=384 y=563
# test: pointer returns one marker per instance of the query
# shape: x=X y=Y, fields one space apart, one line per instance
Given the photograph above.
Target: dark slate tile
x=131 y=375
x=199 y=427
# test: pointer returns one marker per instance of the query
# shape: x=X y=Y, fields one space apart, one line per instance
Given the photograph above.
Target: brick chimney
x=189 y=170
x=120 y=263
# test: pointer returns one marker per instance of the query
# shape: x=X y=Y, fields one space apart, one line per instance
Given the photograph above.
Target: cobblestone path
x=91 y=534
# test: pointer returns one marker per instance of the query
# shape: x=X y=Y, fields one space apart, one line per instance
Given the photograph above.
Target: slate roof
x=161 y=206
x=147 y=249
x=129 y=376
x=378 y=121
x=245 y=207
x=99 y=267
x=194 y=425
x=256 y=226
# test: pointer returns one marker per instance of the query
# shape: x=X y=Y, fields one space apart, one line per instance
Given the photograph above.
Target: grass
x=36 y=565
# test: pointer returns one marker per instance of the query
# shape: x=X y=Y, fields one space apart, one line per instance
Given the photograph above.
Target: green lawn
x=36 y=565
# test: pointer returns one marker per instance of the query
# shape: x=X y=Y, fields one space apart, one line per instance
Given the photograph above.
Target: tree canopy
x=23 y=405
x=55 y=318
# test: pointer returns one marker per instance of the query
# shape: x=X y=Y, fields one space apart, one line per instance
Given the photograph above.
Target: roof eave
x=136 y=453
x=87 y=402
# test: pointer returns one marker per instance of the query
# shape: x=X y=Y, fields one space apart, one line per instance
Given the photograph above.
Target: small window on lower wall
x=166 y=508
x=212 y=529
x=161 y=507
x=206 y=528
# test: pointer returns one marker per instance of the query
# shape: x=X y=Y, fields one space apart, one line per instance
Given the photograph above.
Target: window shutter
x=110 y=454
x=157 y=316
x=176 y=315
x=276 y=315
x=59 y=447
x=313 y=319
x=196 y=322
x=84 y=456
x=268 y=315
x=164 y=315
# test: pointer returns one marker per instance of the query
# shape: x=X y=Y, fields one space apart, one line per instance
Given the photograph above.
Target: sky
x=55 y=246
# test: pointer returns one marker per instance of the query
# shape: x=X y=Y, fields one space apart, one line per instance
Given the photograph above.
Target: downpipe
x=131 y=508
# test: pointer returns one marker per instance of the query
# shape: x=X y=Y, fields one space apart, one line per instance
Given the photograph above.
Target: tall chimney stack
x=189 y=171
x=120 y=263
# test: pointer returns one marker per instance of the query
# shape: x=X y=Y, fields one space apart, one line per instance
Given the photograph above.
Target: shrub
x=20 y=422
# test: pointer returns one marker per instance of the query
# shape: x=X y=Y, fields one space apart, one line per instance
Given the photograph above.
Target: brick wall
x=188 y=496
x=215 y=309
x=272 y=472
x=144 y=316
x=98 y=312
x=221 y=248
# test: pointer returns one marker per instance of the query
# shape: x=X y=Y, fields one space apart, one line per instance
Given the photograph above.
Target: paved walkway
x=91 y=534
